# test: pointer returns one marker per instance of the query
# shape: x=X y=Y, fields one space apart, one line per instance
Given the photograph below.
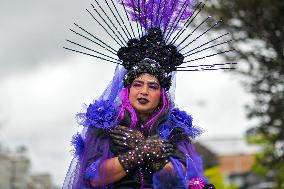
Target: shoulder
x=99 y=114
x=179 y=122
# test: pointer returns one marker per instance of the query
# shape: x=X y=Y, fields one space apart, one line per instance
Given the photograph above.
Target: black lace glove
x=177 y=135
x=158 y=164
x=148 y=151
x=125 y=137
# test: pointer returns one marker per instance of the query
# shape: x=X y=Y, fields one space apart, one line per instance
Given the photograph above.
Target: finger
x=118 y=132
x=169 y=151
x=166 y=155
x=115 y=135
x=168 y=145
x=118 y=137
x=122 y=143
x=166 y=151
x=165 y=142
x=120 y=148
x=119 y=142
x=124 y=128
x=128 y=131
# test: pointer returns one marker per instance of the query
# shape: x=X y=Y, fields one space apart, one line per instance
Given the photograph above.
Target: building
x=41 y=181
x=235 y=160
x=14 y=173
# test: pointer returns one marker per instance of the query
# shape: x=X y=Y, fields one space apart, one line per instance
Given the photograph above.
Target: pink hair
x=126 y=105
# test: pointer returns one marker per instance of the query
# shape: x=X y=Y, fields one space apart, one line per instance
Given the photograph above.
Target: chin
x=143 y=110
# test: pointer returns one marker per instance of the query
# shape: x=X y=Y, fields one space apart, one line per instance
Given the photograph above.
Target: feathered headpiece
x=157 y=44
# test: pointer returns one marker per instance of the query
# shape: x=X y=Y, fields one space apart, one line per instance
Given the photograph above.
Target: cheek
x=132 y=95
x=156 y=98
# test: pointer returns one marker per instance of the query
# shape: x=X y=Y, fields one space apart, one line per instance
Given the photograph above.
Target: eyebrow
x=148 y=82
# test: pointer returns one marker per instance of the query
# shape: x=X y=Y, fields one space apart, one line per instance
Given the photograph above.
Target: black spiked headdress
x=150 y=55
x=160 y=44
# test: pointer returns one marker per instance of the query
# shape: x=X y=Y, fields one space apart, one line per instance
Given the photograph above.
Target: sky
x=43 y=86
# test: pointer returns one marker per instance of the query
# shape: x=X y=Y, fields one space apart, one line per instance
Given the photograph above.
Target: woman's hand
x=155 y=155
x=125 y=137
x=150 y=150
x=155 y=148
x=158 y=164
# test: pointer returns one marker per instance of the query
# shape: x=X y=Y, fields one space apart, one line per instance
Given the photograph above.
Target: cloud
x=43 y=86
x=222 y=102
x=39 y=108
x=34 y=31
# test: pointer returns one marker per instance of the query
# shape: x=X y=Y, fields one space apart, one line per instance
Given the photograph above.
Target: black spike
x=207 y=48
x=128 y=18
x=139 y=18
x=187 y=23
x=204 y=69
x=158 y=15
x=95 y=37
x=152 y=14
x=121 y=19
x=193 y=31
x=104 y=28
x=92 y=55
x=179 y=16
x=201 y=35
x=113 y=25
x=162 y=13
x=176 y=22
x=206 y=43
x=117 y=19
x=91 y=50
x=208 y=56
x=208 y=67
x=93 y=42
x=146 y=13
x=136 y=18
x=166 y=27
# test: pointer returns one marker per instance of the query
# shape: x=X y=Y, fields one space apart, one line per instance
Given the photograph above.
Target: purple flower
x=101 y=114
x=179 y=119
x=196 y=183
x=78 y=143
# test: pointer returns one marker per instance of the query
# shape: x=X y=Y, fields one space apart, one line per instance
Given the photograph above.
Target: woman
x=144 y=97
x=134 y=136
x=142 y=142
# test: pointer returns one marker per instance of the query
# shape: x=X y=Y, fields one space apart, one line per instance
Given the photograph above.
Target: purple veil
x=75 y=177
x=91 y=148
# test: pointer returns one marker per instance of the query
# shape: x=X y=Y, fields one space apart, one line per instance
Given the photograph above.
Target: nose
x=144 y=90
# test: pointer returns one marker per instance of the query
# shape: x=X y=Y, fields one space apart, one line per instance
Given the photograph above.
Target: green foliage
x=215 y=176
x=257 y=27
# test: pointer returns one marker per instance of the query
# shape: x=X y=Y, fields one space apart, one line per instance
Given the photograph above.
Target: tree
x=209 y=159
x=257 y=27
x=215 y=176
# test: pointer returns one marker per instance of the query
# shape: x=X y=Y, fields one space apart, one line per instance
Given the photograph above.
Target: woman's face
x=144 y=94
